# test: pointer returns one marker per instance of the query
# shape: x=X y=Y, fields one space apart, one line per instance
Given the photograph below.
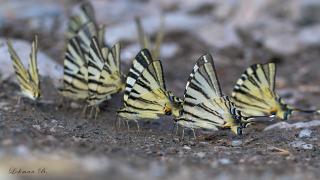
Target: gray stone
x=236 y=143
x=310 y=36
x=218 y=35
x=200 y=155
x=305 y=133
x=39 y=14
x=285 y=125
x=301 y=145
x=310 y=11
x=224 y=161
x=185 y=147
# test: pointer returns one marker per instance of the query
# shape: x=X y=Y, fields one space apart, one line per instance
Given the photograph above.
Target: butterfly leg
x=194 y=133
x=128 y=125
x=91 y=111
x=172 y=130
x=97 y=112
x=84 y=110
x=18 y=102
x=182 y=137
x=138 y=125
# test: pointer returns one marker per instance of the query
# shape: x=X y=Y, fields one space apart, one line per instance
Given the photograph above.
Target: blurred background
x=237 y=33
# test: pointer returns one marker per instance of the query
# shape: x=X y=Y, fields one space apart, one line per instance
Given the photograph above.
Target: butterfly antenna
x=308 y=111
x=194 y=133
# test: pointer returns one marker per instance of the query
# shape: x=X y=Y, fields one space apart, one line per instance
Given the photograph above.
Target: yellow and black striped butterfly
x=204 y=104
x=104 y=75
x=145 y=41
x=254 y=93
x=29 y=81
x=83 y=15
x=75 y=77
x=145 y=95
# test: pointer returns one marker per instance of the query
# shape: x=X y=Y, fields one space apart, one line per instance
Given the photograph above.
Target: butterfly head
x=235 y=123
x=175 y=104
x=282 y=110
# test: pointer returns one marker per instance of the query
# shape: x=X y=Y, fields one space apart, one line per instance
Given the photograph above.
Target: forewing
x=33 y=69
x=141 y=62
x=270 y=72
x=146 y=94
x=83 y=15
x=202 y=84
x=253 y=93
x=22 y=75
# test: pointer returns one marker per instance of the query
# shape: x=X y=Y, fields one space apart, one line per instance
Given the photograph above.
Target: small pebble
x=224 y=161
x=301 y=145
x=200 y=155
x=236 y=143
x=186 y=147
x=307 y=146
x=305 y=133
x=37 y=127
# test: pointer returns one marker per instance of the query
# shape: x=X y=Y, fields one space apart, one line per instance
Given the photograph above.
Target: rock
x=185 y=147
x=22 y=150
x=305 y=133
x=310 y=11
x=167 y=50
x=176 y=21
x=301 y=145
x=283 y=43
x=224 y=161
x=236 y=143
x=218 y=35
x=4 y=105
x=38 y=14
x=75 y=105
x=309 y=36
x=157 y=170
x=285 y=125
x=37 y=127
x=47 y=66
x=200 y=155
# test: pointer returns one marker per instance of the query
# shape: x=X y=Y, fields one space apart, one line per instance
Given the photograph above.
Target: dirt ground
x=56 y=126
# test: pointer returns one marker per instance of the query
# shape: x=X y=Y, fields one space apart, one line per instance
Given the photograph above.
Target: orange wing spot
x=167 y=110
x=273 y=111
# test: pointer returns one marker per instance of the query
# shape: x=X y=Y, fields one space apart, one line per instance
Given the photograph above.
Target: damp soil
x=56 y=124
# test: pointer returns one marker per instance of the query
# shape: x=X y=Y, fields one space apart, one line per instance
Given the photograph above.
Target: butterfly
x=145 y=95
x=28 y=79
x=204 y=105
x=254 y=93
x=83 y=15
x=104 y=74
x=145 y=41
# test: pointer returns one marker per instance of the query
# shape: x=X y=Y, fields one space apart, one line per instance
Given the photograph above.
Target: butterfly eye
x=239 y=131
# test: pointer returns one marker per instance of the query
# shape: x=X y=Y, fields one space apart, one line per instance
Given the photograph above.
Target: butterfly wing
x=202 y=84
x=254 y=92
x=146 y=99
x=202 y=87
x=28 y=80
x=141 y=62
x=75 y=76
x=84 y=14
x=33 y=69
